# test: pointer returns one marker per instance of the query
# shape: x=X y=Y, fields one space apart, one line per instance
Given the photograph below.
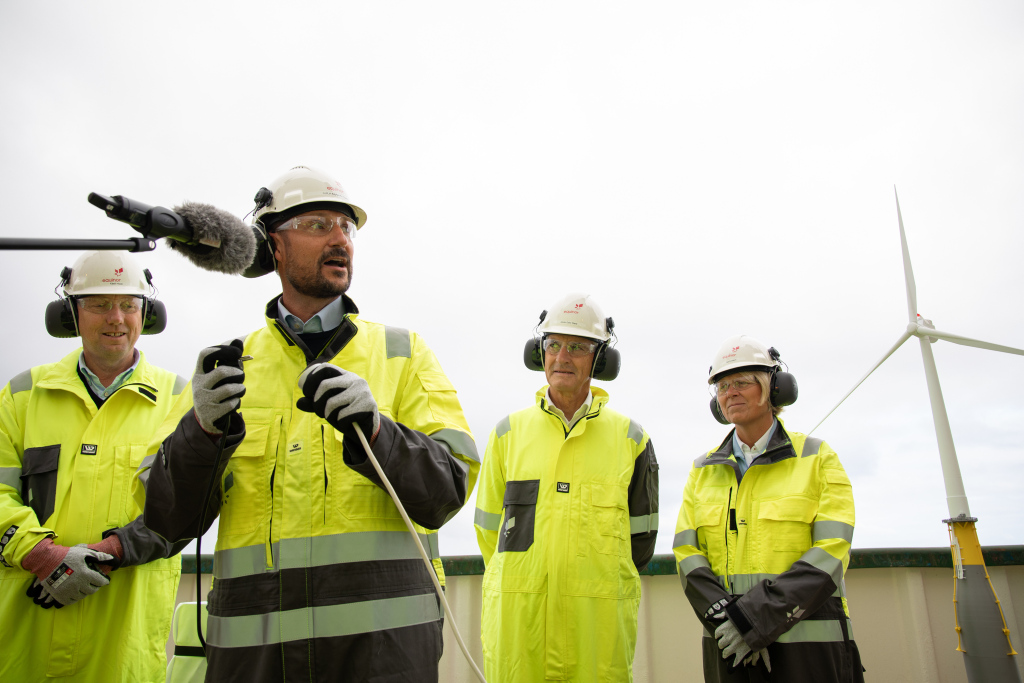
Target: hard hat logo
x=118 y=271
x=740 y=352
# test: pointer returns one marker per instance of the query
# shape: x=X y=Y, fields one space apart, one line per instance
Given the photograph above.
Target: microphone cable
x=419 y=546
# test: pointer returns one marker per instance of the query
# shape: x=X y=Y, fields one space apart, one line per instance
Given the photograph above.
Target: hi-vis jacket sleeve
x=703 y=589
x=491 y=495
x=20 y=529
x=773 y=606
x=175 y=476
x=426 y=451
x=643 y=506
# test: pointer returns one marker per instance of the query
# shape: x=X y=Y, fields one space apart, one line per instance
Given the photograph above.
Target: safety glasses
x=576 y=349
x=317 y=224
x=103 y=305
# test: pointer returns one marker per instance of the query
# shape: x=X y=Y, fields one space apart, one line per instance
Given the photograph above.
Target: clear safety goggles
x=103 y=305
x=319 y=224
x=576 y=349
x=738 y=382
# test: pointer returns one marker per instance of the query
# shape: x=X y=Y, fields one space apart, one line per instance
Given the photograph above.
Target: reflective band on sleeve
x=398 y=343
x=488 y=521
x=635 y=433
x=811 y=446
x=816 y=631
x=685 y=537
x=21 y=382
x=823 y=530
x=319 y=551
x=146 y=463
x=821 y=559
x=741 y=583
x=503 y=427
x=460 y=443
x=179 y=384
x=643 y=523
x=11 y=476
x=327 y=621
x=688 y=564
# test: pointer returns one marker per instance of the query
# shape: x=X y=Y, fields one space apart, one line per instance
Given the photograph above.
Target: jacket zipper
x=728 y=585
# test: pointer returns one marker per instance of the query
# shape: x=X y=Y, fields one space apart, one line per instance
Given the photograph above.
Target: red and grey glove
x=67 y=574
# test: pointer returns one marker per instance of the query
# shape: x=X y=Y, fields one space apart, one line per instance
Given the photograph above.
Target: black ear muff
x=60 y=319
x=263 y=262
x=784 y=390
x=716 y=410
x=533 y=356
x=606 y=363
x=154 y=317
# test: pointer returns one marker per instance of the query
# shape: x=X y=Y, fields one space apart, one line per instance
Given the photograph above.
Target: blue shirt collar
x=327 y=318
x=94 y=382
x=759 y=446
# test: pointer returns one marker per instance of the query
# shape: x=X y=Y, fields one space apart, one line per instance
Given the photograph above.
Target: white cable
x=419 y=546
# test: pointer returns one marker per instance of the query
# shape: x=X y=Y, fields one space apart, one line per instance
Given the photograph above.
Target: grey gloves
x=730 y=642
x=67 y=574
x=342 y=398
x=217 y=386
x=760 y=654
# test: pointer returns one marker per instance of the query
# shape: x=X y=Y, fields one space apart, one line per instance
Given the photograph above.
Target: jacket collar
x=343 y=335
x=600 y=398
x=780 y=447
x=63 y=376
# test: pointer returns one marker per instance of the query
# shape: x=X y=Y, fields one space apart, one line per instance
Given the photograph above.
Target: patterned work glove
x=731 y=642
x=40 y=596
x=760 y=654
x=217 y=386
x=342 y=398
x=67 y=574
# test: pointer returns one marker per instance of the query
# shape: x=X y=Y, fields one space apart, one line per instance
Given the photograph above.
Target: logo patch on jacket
x=295 y=447
x=562 y=487
x=89 y=448
x=4 y=540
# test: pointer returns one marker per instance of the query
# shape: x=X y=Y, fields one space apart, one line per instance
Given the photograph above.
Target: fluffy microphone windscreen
x=213 y=226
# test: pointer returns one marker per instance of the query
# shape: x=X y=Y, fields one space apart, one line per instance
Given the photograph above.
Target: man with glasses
x=72 y=434
x=567 y=515
x=764 y=532
x=316 y=576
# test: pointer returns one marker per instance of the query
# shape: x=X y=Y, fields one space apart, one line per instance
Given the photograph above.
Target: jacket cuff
x=738 y=618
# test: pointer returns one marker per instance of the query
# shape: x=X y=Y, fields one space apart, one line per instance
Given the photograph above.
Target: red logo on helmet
x=735 y=349
x=579 y=305
x=118 y=271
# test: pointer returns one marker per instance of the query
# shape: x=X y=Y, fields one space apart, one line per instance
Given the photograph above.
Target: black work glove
x=342 y=398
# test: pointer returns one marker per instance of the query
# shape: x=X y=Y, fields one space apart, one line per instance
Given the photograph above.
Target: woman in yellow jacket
x=764 y=532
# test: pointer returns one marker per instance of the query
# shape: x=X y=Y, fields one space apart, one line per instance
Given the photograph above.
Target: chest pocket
x=516 y=532
x=247 y=482
x=604 y=520
x=709 y=519
x=785 y=523
x=123 y=508
x=39 y=479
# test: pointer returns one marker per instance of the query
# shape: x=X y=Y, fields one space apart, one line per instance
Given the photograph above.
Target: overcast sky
x=703 y=171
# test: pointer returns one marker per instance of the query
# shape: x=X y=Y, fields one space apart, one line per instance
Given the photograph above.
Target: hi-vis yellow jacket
x=66 y=470
x=564 y=521
x=770 y=548
x=314 y=571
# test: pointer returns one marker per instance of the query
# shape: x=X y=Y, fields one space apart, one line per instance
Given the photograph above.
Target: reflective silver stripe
x=318 y=551
x=503 y=427
x=811 y=446
x=822 y=530
x=146 y=463
x=688 y=564
x=815 y=631
x=398 y=342
x=179 y=385
x=643 y=523
x=11 y=476
x=322 y=622
x=821 y=559
x=459 y=442
x=636 y=432
x=488 y=521
x=21 y=382
x=685 y=537
x=741 y=583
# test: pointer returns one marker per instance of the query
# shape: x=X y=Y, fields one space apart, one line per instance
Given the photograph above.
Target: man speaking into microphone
x=317 y=577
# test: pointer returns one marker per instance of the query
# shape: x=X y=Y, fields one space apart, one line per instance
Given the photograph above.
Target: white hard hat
x=107 y=272
x=305 y=185
x=739 y=352
x=579 y=315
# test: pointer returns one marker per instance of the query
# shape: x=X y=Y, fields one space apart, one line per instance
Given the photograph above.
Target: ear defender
x=716 y=410
x=784 y=390
x=263 y=263
x=60 y=319
x=607 y=362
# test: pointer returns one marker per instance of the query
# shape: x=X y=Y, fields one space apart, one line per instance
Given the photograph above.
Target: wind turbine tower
x=982 y=634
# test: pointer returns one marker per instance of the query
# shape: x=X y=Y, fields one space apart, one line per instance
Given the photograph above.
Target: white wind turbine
x=981 y=629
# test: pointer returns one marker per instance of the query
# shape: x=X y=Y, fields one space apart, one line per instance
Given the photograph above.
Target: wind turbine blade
x=908 y=270
x=967 y=341
x=903 y=337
